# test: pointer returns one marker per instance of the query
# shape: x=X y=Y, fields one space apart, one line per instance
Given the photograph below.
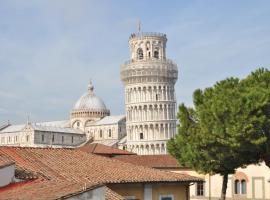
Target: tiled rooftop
x=101 y=149
x=153 y=161
x=112 y=195
x=5 y=161
x=65 y=172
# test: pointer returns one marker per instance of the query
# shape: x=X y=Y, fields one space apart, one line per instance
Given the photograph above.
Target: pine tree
x=228 y=127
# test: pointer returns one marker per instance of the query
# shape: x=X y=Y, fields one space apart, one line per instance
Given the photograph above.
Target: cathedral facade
x=150 y=103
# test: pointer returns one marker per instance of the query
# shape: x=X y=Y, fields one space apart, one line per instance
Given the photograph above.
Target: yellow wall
x=136 y=190
x=178 y=190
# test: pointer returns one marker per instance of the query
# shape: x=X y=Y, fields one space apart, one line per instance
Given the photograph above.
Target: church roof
x=101 y=149
x=13 y=128
x=38 y=127
x=56 y=126
x=110 y=120
x=67 y=172
x=62 y=123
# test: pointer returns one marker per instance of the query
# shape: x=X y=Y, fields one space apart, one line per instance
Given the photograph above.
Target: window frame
x=238 y=187
x=166 y=196
x=200 y=191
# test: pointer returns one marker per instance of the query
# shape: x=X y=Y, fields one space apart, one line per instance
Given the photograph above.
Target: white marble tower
x=149 y=79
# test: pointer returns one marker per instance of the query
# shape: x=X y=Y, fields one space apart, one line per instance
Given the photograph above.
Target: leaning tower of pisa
x=149 y=79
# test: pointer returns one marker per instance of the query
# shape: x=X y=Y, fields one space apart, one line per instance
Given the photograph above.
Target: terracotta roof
x=97 y=148
x=5 y=161
x=112 y=195
x=66 y=172
x=154 y=161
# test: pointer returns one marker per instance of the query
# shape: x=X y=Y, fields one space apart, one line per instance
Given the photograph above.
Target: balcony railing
x=168 y=62
x=147 y=34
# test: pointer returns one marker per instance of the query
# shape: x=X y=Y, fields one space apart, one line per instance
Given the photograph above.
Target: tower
x=149 y=79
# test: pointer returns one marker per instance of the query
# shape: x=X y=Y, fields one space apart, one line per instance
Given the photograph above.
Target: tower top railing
x=146 y=34
x=167 y=61
x=166 y=64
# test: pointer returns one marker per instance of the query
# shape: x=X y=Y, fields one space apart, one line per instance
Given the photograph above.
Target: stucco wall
x=136 y=190
x=6 y=175
x=179 y=191
x=258 y=184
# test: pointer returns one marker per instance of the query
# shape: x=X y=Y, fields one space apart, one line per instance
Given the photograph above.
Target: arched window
x=140 y=53
x=110 y=133
x=237 y=187
x=240 y=187
x=156 y=54
x=141 y=136
x=243 y=187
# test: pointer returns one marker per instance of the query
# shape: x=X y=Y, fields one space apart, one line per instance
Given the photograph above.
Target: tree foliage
x=227 y=128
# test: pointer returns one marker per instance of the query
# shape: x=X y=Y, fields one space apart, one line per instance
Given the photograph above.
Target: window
x=100 y=133
x=141 y=136
x=156 y=54
x=140 y=54
x=240 y=187
x=42 y=138
x=110 y=133
x=27 y=138
x=2 y=140
x=72 y=139
x=16 y=138
x=200 y=189
x=243 y=187
x=166 y=197
x=9 y=139
x=63 y=139
x=52 y=138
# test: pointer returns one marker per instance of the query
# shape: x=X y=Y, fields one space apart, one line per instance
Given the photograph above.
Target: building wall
x=102 y=132
x=31 y=138
x=153 y=190
x=179 y=192
x=58 y=138
x=136 y=190
x=7 y=174
x=257 y=179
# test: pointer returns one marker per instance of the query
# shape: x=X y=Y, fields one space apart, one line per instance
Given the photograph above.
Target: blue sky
x=50 y=49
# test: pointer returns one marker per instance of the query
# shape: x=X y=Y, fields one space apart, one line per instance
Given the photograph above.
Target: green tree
x=227 y=128
x=258 y=86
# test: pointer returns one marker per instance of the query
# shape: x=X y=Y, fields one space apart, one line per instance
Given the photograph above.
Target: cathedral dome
x=89 y=107
x=89 y=101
